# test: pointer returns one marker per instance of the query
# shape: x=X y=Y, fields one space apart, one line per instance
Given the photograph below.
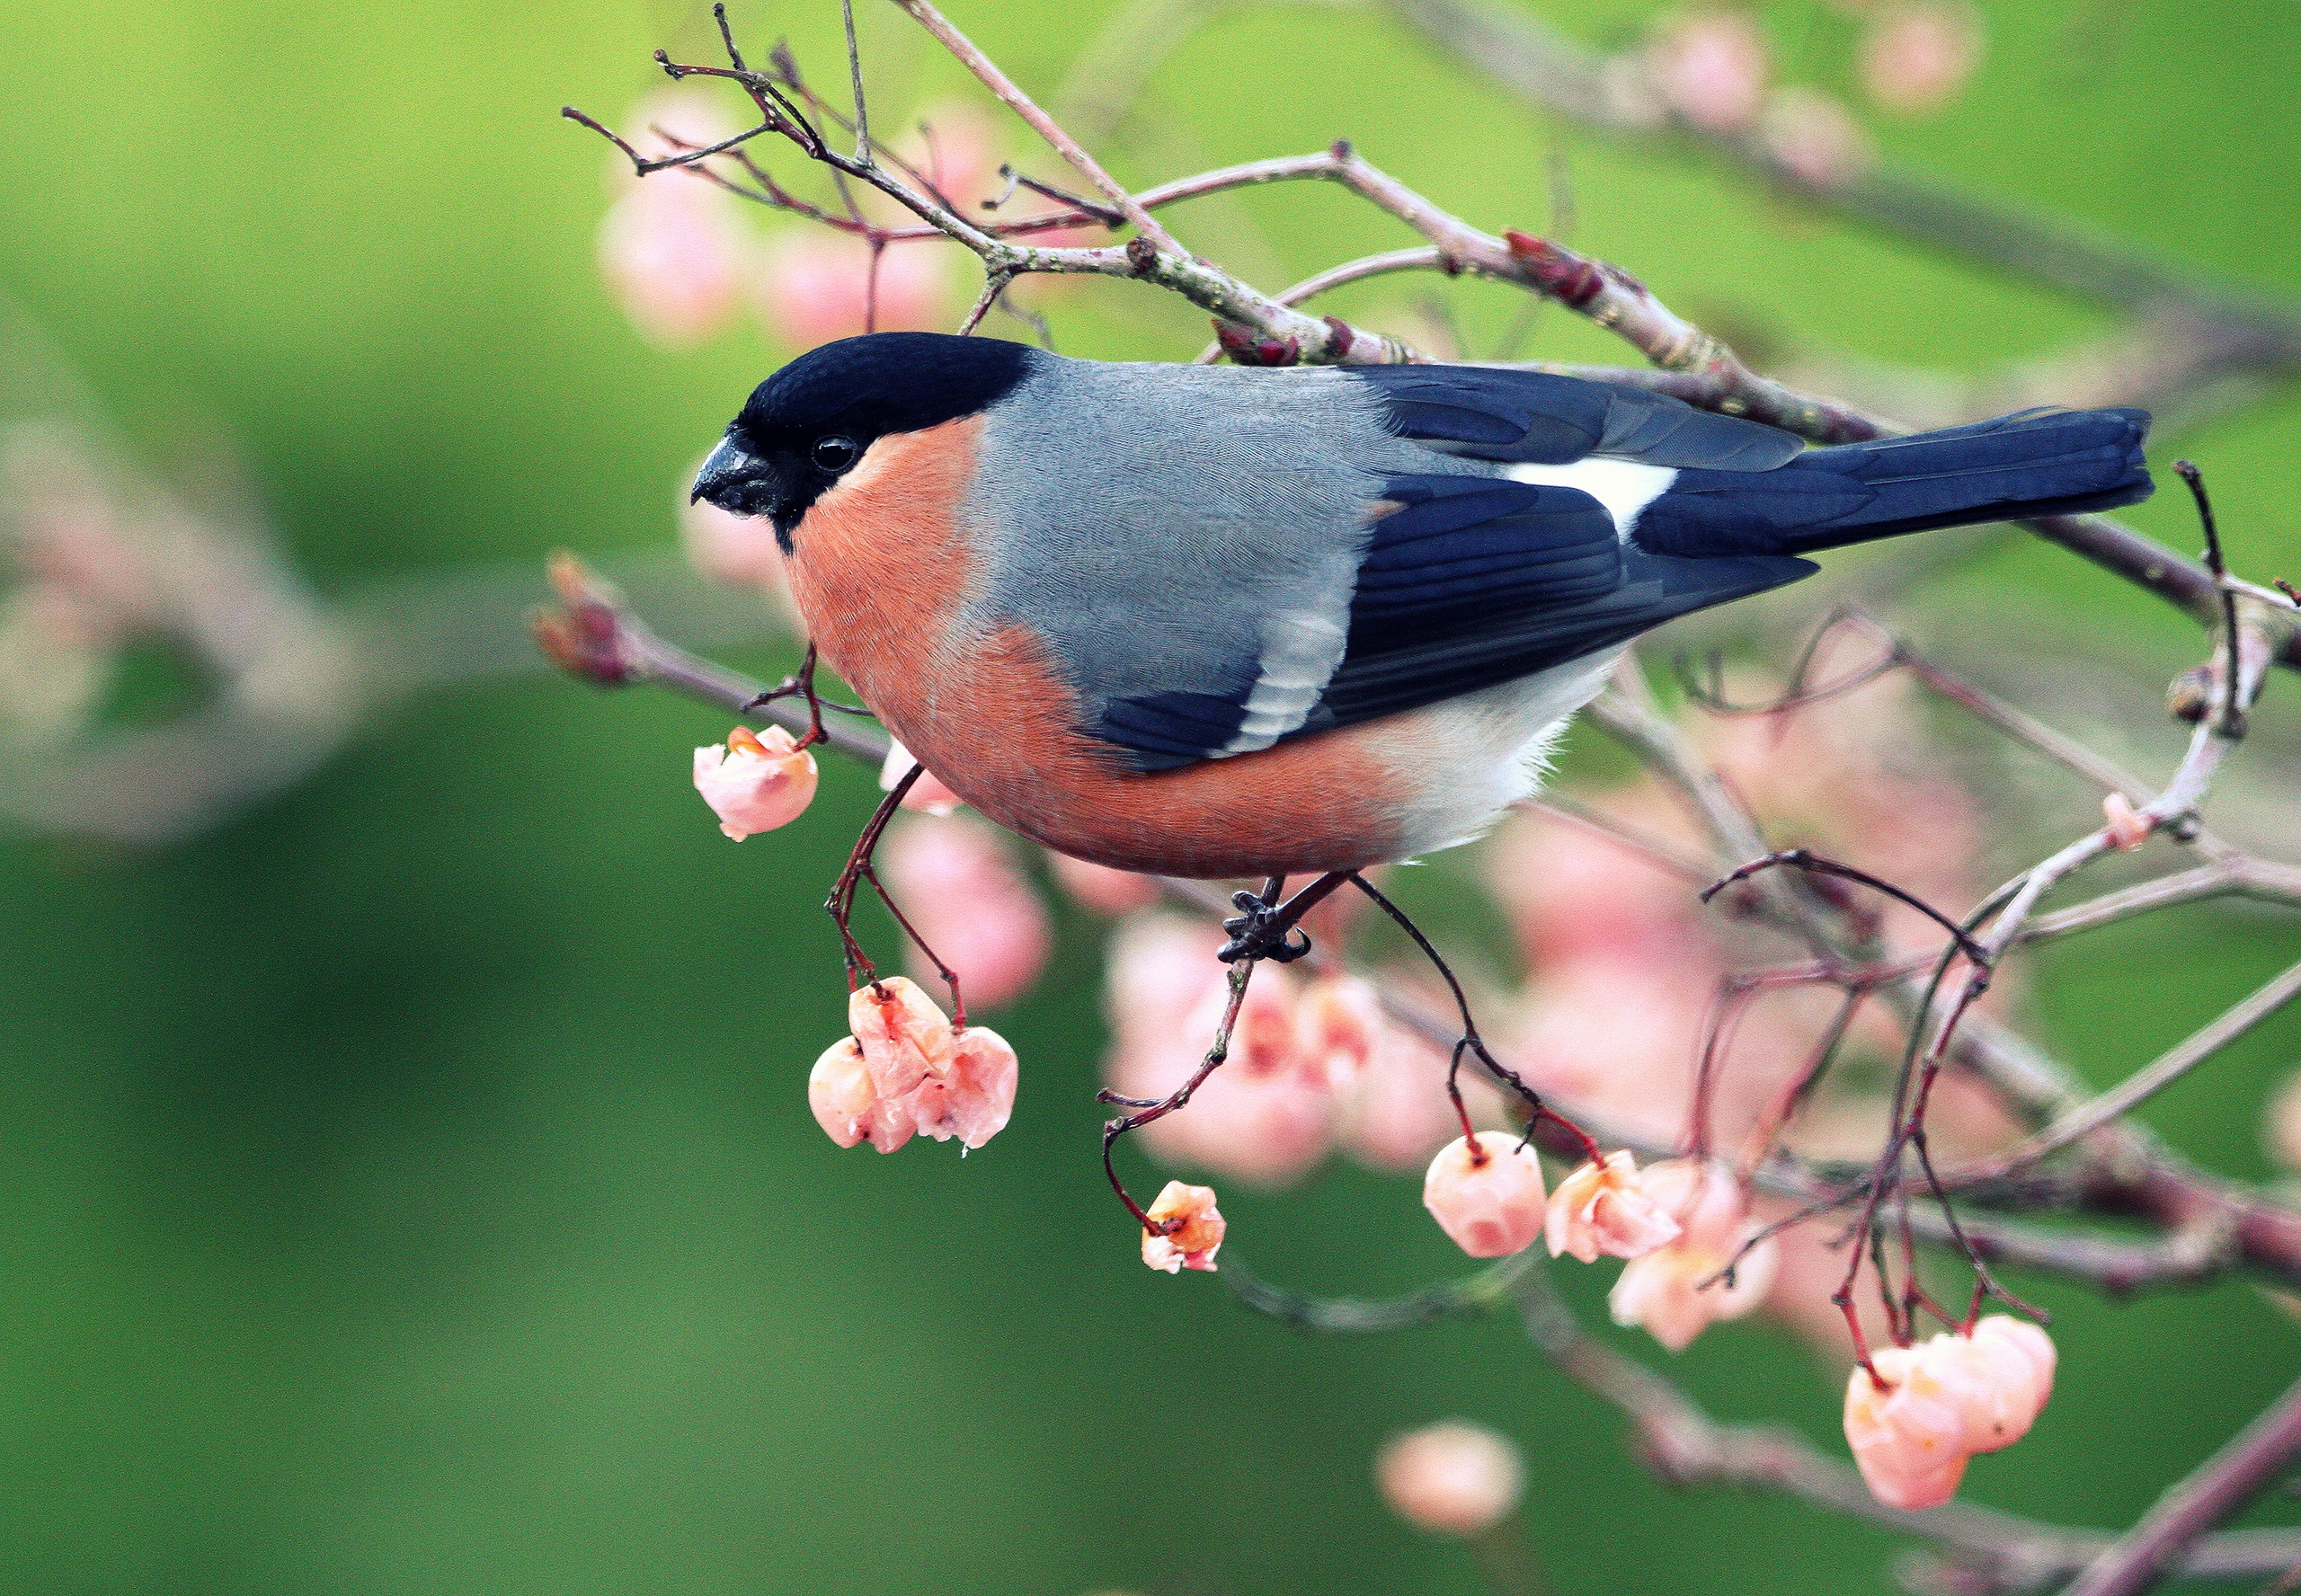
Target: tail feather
x=2036 y=462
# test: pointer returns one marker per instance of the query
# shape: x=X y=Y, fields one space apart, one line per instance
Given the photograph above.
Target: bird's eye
x=835 y=454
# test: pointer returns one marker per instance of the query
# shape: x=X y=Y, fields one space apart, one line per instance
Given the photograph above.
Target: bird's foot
x=1262 y=930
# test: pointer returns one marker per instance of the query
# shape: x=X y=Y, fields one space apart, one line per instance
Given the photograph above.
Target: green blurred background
x=406 y=1187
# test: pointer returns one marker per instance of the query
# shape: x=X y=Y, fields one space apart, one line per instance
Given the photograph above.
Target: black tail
x=2036 y=462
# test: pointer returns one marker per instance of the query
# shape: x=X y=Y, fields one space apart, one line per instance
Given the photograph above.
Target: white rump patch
x=1625 y=487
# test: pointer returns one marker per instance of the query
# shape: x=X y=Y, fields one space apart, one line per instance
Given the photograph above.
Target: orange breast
x=883 y=573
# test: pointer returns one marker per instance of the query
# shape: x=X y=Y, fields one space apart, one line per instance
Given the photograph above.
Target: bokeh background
x=405 y=1185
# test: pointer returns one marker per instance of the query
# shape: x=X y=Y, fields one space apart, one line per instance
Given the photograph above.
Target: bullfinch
x=1215 y=621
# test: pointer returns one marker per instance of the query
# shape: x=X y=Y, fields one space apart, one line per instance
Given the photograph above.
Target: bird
x=1217 y=622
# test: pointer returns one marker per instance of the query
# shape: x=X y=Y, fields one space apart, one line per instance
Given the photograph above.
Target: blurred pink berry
x=1711 y=65
x=1674 y=1295
x=1155 y=970
x=1262 y=1037
x=755 y=782
x=1257 y=1118
x=976 y=1097
x=1396 y=1114
x=956 y=145
x=957 y=880
x=904 y=1037
x=2281 y=1127
x=1809 y=1270
x=815 y=285
x=1339 y=1028
x=2128 y=827
x=1614 y=1033
x=675 y=118
x=1450 y=1478
x=1816 y=136
x=848 y=1107
x=1191 y=1229
x=1701 y=1194
x=928 y=795
x=1916 y=57
x=1603 y=1207
x=1486 y=1193
x=673 y=251
x=1572 y=893
x=1261 y=1118
x=1670 y=1291
x=1100 y=888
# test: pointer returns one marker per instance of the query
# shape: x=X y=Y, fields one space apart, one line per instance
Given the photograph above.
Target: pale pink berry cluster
x=1682 y=1223
x=1603 y=1207
x=1487 y=1192
x=904 y=1071
x=755 y=781
x=1918 y=1414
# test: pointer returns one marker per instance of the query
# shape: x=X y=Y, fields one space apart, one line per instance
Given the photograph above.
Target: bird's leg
x=1472 y=1042
x=841 y=904
x=1266 y=928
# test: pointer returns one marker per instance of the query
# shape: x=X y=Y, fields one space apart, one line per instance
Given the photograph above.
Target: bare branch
x=2145 y=1083
x=1514 y=48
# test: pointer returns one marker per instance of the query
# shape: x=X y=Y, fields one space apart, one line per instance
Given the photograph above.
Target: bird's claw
x=1261 y=931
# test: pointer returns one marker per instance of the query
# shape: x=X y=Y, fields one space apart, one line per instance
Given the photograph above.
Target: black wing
x=1532 y=416
x=1450 y=603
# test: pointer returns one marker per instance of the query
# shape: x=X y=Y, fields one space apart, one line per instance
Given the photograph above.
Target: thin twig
x=927 y=16
x=2143 y=1084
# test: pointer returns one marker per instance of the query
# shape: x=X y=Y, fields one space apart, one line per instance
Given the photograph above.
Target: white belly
x=1478 y=755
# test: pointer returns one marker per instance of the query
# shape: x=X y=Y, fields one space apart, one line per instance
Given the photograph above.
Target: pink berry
x=1603 y=1207
x=755 y=781
x=1486 y=1193
x=1450 y=1478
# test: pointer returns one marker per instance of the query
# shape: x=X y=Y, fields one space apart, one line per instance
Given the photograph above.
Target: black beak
x=738 y=481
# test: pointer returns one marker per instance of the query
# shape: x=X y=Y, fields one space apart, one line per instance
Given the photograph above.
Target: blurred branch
x=1514 y=49
x=1475 y=1294
x=2143 y=1084
x=2154 y=1548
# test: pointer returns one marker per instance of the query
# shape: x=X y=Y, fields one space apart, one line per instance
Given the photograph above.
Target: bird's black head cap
x=808 y=425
